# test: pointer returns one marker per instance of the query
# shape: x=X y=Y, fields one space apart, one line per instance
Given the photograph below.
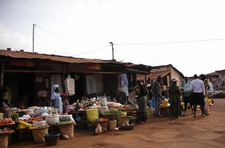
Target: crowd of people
x=192 y=93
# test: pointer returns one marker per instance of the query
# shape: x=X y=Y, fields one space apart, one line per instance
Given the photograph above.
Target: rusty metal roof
x=154 y=75
x=65 y=59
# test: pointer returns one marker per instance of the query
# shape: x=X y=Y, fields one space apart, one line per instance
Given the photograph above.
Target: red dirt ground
x=159 y=132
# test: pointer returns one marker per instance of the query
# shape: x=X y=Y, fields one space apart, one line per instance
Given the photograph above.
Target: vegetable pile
x=63 y=122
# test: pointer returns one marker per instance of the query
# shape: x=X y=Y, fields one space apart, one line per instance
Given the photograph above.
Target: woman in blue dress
x=56 y=100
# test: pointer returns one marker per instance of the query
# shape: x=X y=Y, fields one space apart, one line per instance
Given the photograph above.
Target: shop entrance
x=20 y=85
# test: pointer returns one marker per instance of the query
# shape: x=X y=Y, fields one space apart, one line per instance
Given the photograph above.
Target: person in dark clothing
x=121 y=97
x=142 y=102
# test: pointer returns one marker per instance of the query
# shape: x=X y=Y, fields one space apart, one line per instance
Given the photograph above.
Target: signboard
x=16 y=62
x=92 y=66
x=42 y=92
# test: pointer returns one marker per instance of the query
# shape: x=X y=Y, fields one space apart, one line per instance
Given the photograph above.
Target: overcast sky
x=189 y=34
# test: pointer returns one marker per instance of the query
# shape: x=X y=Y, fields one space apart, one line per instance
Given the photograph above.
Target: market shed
x=134 y=71
x=31 y=74
x=167 y=72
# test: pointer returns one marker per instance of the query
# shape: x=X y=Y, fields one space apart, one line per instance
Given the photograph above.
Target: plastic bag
x=92 y=114
x=153 y=102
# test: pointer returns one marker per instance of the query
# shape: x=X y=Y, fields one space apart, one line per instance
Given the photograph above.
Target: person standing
x=56 y=100
x=142 y=102
x=198 y=89
x=206 y=85
x=186 y=92
x=210 y=90
x=65 y=102
x=175 y=106
x=157 y=94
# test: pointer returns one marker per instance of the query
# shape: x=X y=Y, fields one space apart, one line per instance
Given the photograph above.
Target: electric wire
x=175 y=42
x=63 y=37
x=91 y=50
x=103 y=22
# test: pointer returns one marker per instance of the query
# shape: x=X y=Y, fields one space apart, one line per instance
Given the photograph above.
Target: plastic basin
x=52 y=139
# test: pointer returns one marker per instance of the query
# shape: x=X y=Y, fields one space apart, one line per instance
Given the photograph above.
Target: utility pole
x=112 y=50
x=33 y=38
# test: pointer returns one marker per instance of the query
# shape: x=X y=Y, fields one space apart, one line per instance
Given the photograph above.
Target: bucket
x=164 y=103
x=1 y=115
x=52 y=139
x=112 y=125
x=91 y=126
x=102 y=109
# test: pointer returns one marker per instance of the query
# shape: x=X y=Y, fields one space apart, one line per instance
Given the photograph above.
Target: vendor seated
x=21 y=103
x=121 y=96
x=4 y=102
x=43 y=101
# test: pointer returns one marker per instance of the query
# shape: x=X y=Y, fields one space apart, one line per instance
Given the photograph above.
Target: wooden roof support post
x=67 y=70
x=2 y=74
x=63 y=70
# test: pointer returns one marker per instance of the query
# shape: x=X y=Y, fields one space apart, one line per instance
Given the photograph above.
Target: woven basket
x=124 y=120
x=132 y=120
x=111 y=116
x=4 y=141
x=67 y=130
x=38 y=135
x=130 y=127
x=103 y=124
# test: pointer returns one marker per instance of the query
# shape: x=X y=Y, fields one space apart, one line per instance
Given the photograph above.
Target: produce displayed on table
x=6 y=121
x=5 y=130
x=102 y=119
x=64 y=122
x=37 y=127
x=28 y=118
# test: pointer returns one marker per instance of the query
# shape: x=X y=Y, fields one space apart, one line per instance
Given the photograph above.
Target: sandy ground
x=159 y=132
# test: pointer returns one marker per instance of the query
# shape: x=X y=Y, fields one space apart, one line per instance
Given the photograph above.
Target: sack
x=147 y=112
x=151 y=110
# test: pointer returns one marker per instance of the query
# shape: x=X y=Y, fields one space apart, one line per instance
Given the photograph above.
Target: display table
x=80 y=124
x=130 y=110
x=24 y=135
x=6 y=125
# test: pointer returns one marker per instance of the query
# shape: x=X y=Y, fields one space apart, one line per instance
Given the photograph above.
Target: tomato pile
x=103 y=119
x=6 y=121
x=31 y=119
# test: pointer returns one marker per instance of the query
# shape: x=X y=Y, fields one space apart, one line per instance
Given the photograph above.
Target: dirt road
x=159 y=132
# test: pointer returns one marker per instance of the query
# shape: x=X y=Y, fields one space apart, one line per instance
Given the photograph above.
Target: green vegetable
x=113 y=111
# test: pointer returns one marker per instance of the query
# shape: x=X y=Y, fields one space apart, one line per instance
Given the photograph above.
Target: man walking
x=157 y=94
x=198 y=88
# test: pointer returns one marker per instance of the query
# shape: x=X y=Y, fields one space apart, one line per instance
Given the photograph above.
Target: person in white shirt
x=198 y=89
x=210 y=90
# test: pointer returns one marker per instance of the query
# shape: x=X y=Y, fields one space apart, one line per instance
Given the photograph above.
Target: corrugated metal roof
x=31 y=55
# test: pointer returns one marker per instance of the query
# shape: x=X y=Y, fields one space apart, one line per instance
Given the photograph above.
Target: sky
x=189 y=34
